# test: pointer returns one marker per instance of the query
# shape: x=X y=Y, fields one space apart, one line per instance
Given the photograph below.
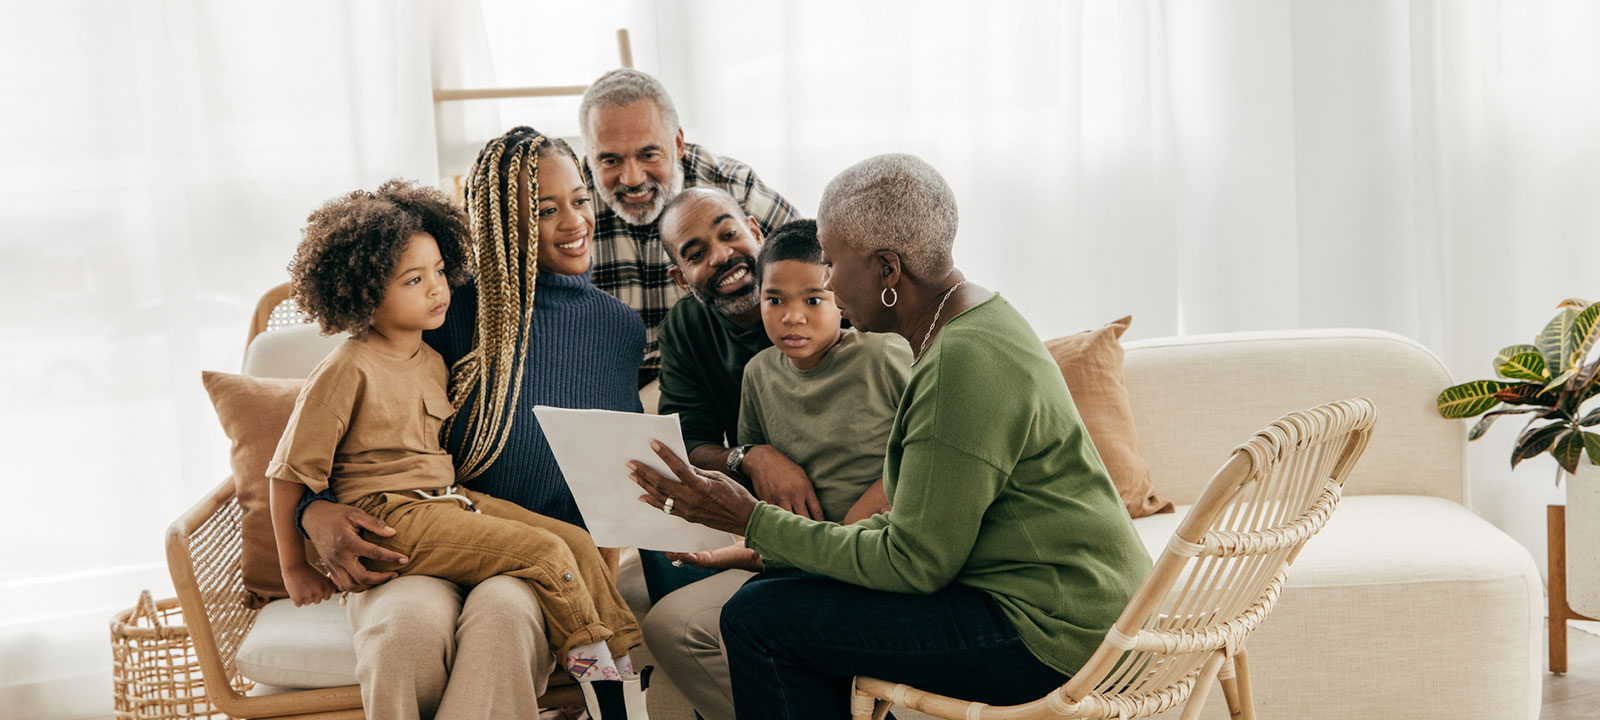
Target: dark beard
x=728 y=305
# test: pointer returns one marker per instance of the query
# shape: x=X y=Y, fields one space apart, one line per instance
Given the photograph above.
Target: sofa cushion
x=1397 y=597
x=1091 y=363
x=253 y=413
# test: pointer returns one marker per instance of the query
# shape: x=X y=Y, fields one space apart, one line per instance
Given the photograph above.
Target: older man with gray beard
x=637 y=161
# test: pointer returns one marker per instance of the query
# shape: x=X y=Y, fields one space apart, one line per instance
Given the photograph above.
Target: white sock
x=594 y=662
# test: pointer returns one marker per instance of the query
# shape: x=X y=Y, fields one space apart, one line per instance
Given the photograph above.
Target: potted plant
x=1551 y=381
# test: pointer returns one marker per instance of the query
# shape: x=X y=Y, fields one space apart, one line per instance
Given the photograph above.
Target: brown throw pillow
x=254 y=411
x=1091 y=362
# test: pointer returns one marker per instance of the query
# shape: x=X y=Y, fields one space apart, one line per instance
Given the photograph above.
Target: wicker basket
x=153 y=669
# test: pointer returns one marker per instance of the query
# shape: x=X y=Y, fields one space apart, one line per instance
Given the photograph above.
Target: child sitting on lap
x=381 y=266
x=824 y=395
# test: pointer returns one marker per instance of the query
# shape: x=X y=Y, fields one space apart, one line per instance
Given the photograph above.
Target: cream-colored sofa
x=1407 y=604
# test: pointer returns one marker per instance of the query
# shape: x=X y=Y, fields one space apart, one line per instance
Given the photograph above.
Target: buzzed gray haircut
x=625 y=86
x=894 y=202
x=699 y=192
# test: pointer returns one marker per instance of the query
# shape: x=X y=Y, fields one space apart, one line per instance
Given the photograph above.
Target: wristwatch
x=736 y=459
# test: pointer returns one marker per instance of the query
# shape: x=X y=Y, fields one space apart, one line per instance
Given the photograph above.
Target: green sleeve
x=751 y=431
x=683 y=386
x=919 y=547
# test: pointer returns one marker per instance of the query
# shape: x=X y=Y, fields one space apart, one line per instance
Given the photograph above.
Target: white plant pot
x=1583 y=540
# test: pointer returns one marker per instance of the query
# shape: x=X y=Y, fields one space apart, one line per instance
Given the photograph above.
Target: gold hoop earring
x=889 y=297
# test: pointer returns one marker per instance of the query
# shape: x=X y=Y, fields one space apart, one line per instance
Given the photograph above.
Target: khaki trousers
x=443 y=538
x=423 y=652
x=684 y=633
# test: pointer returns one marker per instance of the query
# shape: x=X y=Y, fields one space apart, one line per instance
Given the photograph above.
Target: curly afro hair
x=352 y=244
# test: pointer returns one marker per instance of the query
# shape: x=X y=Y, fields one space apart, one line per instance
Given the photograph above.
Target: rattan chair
x=1219 y=576
x=203 y=557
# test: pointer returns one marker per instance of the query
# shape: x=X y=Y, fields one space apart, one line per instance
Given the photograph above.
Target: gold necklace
x=940 y=309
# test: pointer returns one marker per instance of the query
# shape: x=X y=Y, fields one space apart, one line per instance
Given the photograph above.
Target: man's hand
x=777 y=480
x=306 y=586
x=335 y=531
x=871 y=502
x=735 y=556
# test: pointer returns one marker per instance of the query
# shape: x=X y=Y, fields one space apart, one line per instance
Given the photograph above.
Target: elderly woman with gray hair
x=1007 y=554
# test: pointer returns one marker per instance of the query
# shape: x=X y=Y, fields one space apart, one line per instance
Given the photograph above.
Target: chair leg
x=1247 y=700
x=1230 y=688
x=1202 y=686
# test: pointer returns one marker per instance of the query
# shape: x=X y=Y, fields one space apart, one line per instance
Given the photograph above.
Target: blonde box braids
x=506 y=273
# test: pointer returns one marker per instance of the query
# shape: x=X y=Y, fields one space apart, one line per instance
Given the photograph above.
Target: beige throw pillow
x=254 y=412
x=1091 y=362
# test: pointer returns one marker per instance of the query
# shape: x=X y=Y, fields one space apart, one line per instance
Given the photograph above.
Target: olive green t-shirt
x=994 y=485
x=832 y=420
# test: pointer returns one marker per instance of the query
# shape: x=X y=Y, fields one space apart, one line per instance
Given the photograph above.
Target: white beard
x=652 y=212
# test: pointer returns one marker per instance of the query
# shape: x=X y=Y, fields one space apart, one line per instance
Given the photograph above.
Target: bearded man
x=637 y=162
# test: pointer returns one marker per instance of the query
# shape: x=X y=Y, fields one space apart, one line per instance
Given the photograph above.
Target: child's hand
x=777 y=480
x=871 y=502
x=306 y=585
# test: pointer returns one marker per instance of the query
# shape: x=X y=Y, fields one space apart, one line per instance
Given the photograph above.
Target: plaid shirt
x=631 y=263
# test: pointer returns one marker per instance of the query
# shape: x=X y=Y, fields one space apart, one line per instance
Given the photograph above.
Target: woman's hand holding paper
x=700 y=496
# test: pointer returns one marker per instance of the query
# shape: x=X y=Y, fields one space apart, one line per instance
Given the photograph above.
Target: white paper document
x=593 y=448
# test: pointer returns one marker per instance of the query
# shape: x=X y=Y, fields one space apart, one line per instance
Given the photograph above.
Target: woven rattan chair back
x=1217 y=579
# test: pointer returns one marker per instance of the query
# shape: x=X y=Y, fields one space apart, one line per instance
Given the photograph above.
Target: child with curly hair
x=367 y=427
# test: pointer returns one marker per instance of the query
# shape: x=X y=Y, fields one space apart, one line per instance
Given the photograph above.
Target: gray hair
x=894 y=202
x=625 y=86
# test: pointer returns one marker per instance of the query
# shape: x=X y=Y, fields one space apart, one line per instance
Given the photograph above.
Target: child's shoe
x=618 y=699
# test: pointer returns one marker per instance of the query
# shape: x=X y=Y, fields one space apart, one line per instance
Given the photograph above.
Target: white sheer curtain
x=157 y=160
x=1423 y=167
x=1427 y=168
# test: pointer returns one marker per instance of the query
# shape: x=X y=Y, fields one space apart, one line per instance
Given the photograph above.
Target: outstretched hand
x=735 y=556
x=700 y=496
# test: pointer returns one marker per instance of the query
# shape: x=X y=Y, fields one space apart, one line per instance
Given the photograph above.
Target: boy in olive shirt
x=824 y=395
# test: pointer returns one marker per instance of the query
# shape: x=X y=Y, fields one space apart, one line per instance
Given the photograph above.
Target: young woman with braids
x=530 y=329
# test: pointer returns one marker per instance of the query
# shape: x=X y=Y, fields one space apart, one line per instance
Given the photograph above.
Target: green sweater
x=994 y=485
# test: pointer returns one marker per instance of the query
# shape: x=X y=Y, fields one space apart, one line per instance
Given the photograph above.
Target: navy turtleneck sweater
x=584 y=352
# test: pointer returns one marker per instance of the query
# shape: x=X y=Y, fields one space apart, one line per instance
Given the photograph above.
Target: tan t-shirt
x=368 y=423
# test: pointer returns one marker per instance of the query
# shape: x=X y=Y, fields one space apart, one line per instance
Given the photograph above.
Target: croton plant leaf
x=1535 y=441
x=1527 y=394
x=1524 y=366
x=1583 y=333
x=1553 y=340
x=1469 y=399
x=1568 y=449
x=1482 y=425
x=1511 y=351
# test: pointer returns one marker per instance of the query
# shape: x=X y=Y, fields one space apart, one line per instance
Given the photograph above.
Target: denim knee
x=744 y=613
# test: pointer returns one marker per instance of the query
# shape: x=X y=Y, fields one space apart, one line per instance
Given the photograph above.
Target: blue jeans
x=662 y=577
x=795 y=640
